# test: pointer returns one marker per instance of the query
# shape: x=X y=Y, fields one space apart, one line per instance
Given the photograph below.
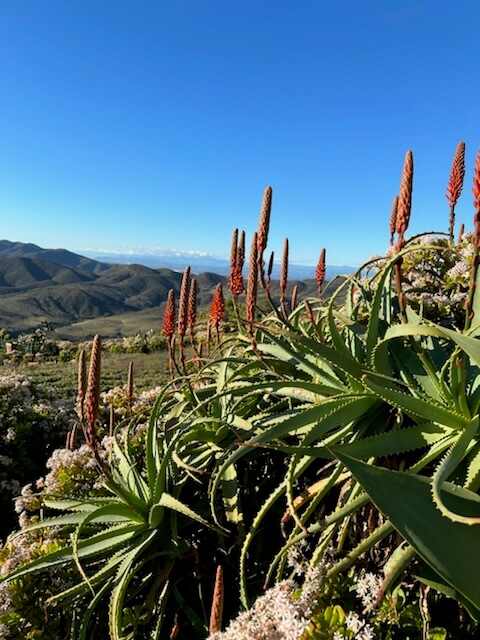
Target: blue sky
x=157 y=124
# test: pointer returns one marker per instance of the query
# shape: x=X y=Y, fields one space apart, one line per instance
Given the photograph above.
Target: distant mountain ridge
x=202 y=263
x=63 y=288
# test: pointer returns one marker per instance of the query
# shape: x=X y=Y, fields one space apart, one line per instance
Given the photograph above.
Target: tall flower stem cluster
x=177 y=326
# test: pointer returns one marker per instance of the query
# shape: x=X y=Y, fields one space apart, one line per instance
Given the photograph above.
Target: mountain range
x=79 y=296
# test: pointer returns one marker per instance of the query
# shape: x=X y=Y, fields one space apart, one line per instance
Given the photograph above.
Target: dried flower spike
x=130 y=385
x=393 y=219
x=82 y=384
x=241 y=251
x=284 y=276
x=183 y=304
x=264 y=222
x=217 y=602
x=405 y=198
x=293 y=304
x=252 y=281
x=263 y=228
x=192 y=307
x=237 y=257
x=93 y=390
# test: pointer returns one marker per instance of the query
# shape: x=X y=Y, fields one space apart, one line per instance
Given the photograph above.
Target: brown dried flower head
x=130 y=384
x=251 y=300
x=241 y=251
x=293 y=304
x=237 y=257
x=264 y=223
x=192 y=306
x=393 y=219
x=284 y=270
x=183 y=303
x=82 y=383
x=92 y=399
x=217 y=602
x=405 y=196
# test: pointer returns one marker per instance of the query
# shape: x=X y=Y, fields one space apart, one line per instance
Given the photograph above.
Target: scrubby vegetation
x=312 y=474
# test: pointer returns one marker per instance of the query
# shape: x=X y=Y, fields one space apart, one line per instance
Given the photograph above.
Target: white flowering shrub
x=435 y=276
x=33 y=422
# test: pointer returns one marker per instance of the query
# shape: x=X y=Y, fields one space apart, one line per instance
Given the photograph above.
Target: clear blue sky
x=158 y=123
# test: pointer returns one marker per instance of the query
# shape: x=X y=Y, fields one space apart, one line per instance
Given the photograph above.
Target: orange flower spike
x=217 y=308
x=168 y=328
x=457 y=175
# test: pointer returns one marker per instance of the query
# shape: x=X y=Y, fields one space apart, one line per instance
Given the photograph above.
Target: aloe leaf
x=396 y=566
x=428 y=576
x=451 y=548
x=88 y=548
x=56 y=521
x=395 y=441
x=473 y=475
x=380 y=311
x=416 y=407
x=230 y=495
x=447 y=466
x=367 y=543
x=124 y=576
x=169 y=502
x=129 y=475
x=335 y=412
x=88 y=612
x=102 y=575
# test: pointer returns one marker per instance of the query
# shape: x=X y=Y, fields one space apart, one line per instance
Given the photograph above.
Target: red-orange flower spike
x=457 y=175
x=217 y=308
x=168 y=328
x=320 y=271
x=476 y=183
